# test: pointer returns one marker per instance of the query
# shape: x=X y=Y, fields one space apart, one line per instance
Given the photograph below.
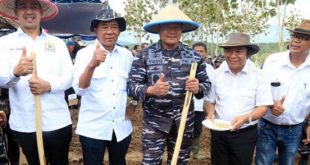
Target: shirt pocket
x=99 y=79
x=248 y=97
x=221 y=93
x=100 y=72
x=305 y=92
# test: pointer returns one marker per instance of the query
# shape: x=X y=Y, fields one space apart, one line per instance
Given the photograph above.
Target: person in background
x=201 y=49
x=71 y=47
x=12 y=148
x=4 y=106
x=136 y=49
x=282 y=126
x=210 y=62
x=218 y=61
x=70 y=96
x=240 y=95
x=158 y=78
x=54 y=76
x=144 y=45
x=100 y=75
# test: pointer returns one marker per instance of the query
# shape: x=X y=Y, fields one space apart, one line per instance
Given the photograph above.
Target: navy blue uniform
x=162 y=114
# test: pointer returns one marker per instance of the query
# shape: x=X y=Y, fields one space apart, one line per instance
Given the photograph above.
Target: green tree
x=281 y=6
x=216 y=17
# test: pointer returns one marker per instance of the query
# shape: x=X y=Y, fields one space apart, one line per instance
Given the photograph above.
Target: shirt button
x=113 y=107
x=112 y=80
x=113 y=94
x=110 y=67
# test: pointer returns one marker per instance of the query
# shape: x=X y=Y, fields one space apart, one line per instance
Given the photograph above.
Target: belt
x=245 y=129
x=279 y=125
x=240 y=130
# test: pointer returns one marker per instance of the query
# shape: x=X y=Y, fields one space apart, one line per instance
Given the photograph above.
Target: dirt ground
x=134 y=155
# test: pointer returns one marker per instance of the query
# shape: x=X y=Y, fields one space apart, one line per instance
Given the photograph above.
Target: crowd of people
x=268 y=109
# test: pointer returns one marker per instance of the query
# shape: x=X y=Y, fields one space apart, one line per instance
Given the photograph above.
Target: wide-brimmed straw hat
x=108 y=15
x=240 y=39
x=49 y=9
x=303 y=28
x=168 y=15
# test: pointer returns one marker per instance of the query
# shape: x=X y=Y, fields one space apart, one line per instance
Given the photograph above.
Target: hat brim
x=252 y=48
x=49 y=9
x=188 y=26
x=120 y=20
x=300 y=31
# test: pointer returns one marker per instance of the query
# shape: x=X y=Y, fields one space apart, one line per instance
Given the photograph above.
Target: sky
x=302 y=6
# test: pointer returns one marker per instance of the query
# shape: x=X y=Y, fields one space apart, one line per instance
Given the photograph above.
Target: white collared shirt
x=295 y=86
x=198 y=103
x=103 y=104
x=53 y=65
x=236 y=95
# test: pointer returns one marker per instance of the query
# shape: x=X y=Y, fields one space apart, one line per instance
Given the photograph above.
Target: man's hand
x=192 y=85
x=277 y=108
x=24 y=66
x=238 y=121
x=38 y=86
x=3 y=119
x=307 y=140
x=210 y=116
x=98 y=57
x=129 y=111
x=160 y=88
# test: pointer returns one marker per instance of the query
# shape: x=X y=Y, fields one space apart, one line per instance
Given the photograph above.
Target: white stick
x=186 y=105
x=38 y=109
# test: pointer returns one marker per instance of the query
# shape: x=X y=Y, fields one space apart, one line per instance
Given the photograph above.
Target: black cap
x=275 y=84
x=108 y=15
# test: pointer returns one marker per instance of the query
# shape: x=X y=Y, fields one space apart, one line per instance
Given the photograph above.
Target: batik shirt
x=162 y=112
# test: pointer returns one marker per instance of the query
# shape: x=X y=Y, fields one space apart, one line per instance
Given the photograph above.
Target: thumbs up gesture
x=277 y=108
x=160 y=88
x=24 y=66
x=99 y=56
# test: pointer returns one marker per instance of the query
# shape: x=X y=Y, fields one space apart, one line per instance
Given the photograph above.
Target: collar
x=159 y=47
x=20 y=32
x=115 y=49
x=246 y=69
x=287 y=61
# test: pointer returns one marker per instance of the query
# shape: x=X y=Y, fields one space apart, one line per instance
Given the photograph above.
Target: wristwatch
x=133 y=102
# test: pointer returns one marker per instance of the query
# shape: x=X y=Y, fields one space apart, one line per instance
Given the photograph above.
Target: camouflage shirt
x=161 y=112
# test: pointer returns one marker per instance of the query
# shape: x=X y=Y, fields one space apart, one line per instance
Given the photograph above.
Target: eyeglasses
x=300 y=37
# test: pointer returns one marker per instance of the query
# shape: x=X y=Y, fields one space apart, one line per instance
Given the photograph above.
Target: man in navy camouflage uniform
x=159 y=78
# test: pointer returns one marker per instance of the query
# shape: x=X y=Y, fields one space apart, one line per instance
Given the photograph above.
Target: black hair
x=200 y=44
